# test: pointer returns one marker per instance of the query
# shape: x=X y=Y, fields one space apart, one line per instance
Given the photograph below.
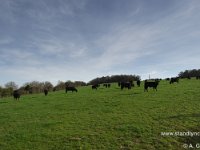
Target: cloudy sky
x=51 y=40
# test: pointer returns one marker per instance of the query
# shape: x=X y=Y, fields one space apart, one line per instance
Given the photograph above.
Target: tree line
x=189 y=73
x=114 y=78
x=36 y=87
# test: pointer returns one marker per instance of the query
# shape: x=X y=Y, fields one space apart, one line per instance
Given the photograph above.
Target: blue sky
x=51 y=40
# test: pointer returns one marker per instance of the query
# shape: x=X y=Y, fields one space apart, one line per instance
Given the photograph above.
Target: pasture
x=106 y=118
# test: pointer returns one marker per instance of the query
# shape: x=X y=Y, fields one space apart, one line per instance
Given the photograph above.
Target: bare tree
x=11 y=85
x=48 y=85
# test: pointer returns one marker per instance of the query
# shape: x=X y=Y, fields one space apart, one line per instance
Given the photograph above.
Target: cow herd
x=153 y=83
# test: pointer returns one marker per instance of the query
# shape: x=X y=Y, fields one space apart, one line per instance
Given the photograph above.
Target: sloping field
x=107 y=118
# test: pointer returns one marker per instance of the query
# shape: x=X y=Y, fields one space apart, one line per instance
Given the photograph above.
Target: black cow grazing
x=16 y=94
x=132 y=84
x=109 y=85
x=176 y=79
x=95 y=86
x=70 y=88
x=125 y=85
x=138 y=83
x=152 y=84
x=54 y=89
x=105 y=84
x=45 y=92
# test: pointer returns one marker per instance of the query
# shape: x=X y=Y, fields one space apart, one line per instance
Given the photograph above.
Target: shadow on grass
x=189 y=135
x=130 y=94
x=192 y=136
x=3 y=102
x=184 y=116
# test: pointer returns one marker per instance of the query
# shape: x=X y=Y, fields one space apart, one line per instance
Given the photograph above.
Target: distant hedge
x=114 y=78
x=189 y=73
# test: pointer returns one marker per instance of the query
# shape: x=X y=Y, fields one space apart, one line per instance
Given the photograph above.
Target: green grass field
x=104 y=119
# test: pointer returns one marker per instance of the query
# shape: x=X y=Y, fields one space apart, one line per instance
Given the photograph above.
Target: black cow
x=54 y=89
x=70 y=88
x=167 y=79
x=45 y=92
x=152 y=84
x=107 y=85
x=95 y=86
x=132 y=84
x=176 y=79
x=125 y=85
x=16 y=94
x=138 y=83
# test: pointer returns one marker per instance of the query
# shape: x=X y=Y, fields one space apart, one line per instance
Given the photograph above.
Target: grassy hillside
x=104 y=119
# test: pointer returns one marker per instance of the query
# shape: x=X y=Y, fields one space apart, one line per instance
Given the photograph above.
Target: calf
x=70 y=88
x=16 y=95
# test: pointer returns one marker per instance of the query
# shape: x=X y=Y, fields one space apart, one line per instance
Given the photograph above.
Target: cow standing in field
x=95 y=86
x=108 y=85
x=70 y=88
x=45 y=92
x=16 y=94
x=176 y=79
x=105 y=84
x=125 y=85
x=138 y=83
x=152 y=84
x=132 y=84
